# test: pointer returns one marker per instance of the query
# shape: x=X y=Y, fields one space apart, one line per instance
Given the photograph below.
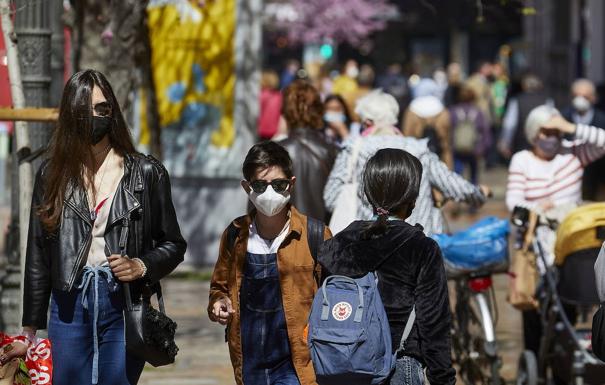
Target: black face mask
x=100 y=127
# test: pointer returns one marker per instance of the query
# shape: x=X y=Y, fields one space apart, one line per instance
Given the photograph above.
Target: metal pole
x=32 y=26
x=57 y=48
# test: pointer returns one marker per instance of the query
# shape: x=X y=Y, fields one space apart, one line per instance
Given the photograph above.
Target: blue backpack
x=349 y=336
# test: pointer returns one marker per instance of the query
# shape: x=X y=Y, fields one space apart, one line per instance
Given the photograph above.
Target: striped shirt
x=435 y=174
x=532 y=180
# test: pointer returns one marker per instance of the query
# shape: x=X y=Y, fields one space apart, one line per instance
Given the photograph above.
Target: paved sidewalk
x=203 y=356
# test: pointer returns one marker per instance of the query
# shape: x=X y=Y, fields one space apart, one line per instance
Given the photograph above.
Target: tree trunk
x=21 y=132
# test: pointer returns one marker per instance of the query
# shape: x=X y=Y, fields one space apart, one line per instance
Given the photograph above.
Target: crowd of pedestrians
x=401 y=153
x=376 y=165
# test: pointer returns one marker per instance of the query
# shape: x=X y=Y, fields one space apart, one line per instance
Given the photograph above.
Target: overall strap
x=232 y=233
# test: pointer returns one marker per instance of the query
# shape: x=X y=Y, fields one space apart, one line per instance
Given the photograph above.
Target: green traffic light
x=326 y=51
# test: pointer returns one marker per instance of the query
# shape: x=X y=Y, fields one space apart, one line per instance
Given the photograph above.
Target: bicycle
x=472 y=257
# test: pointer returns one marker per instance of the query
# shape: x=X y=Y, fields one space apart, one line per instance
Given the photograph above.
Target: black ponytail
x=391 y=183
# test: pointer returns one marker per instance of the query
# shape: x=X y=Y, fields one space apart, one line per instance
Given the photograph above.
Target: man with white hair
x=582 y=111
x=378 y=112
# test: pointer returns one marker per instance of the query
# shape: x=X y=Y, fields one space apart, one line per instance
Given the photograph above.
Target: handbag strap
x=531 y=229
x=123 y=244
x=408 y=329
x=125 y=285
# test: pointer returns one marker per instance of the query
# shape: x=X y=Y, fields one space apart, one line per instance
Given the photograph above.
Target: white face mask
x=269 y=203
x=352 y=71
x=581 y=104
x=336 y=117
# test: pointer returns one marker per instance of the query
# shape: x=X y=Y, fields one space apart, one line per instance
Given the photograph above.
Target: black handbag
x=149 y=333
x=598 y=333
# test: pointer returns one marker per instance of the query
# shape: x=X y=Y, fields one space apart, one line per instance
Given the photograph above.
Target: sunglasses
x=102 y=109
x=279 y=185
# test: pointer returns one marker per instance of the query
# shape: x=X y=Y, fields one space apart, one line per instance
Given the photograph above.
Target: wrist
x=142 y=266
x=29 y=334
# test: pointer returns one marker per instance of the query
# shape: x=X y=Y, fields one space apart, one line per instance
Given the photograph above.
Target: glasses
x=279 y=185
x=102 y=109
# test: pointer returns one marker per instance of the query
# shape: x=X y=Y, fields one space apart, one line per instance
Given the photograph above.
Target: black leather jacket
x=143 y=201
x=312 y=160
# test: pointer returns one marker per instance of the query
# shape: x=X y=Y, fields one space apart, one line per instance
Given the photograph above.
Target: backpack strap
x=232 y=233
x=408 y=329
x=315 y=238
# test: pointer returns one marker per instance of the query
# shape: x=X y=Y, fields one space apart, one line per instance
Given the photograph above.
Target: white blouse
x=106 y=181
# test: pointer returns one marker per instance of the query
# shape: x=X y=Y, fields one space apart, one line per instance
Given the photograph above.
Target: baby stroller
x=567 y=290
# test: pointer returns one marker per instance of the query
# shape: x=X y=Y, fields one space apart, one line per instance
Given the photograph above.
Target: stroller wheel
x=527 y=371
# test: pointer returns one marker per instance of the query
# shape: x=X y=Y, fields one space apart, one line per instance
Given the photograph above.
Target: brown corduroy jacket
x=297 y=282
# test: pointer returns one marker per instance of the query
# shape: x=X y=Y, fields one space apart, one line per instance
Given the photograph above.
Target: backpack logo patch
x=341 y=311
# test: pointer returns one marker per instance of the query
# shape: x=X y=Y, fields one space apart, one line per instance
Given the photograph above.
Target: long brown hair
x=302 y=106
x=70 y=150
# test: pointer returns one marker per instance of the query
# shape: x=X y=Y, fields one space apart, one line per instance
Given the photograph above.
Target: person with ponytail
x=408 y=265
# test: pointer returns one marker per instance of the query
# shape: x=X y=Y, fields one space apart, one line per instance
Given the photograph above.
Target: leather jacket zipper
x=72 y=277
x=79 y=260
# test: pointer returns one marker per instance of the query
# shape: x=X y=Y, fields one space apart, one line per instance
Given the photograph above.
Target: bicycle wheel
x=476 y=356
x=527 y=372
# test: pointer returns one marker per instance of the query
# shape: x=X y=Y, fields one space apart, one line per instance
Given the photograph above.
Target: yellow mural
x=193 y=65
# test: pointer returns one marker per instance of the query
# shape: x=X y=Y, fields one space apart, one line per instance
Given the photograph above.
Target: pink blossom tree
x=351 y=21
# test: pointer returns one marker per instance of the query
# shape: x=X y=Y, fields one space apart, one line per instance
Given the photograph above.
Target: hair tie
x=382 y=212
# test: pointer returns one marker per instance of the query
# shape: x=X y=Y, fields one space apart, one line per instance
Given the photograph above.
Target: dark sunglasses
x=103 y=109
x=279 y=185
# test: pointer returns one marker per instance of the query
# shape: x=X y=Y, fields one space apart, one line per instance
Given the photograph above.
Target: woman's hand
x=12 y=350
x=558 y=122
x=340 y=129
x=486 y=191
x=124 y=268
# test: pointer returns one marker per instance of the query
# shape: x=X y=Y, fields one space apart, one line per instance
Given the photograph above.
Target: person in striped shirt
x=549 y=176
x=548 y=179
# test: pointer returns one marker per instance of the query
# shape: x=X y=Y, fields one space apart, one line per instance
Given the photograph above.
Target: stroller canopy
x=580 y=230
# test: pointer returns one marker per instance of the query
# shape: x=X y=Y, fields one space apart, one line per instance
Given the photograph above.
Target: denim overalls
x=265 y=344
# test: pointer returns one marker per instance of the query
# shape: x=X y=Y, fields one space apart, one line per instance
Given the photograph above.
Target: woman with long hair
x=339 y=122
x=312 y=154
x=92 y=185
x=408 y=264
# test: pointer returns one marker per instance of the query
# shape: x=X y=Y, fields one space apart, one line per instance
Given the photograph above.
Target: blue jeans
x=408 y=371
x=70 y=330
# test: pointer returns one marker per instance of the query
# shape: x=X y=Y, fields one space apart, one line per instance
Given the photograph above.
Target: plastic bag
x=481 y=246
x=37 y=364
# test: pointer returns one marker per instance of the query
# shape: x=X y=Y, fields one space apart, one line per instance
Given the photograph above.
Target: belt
x=92 y=275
